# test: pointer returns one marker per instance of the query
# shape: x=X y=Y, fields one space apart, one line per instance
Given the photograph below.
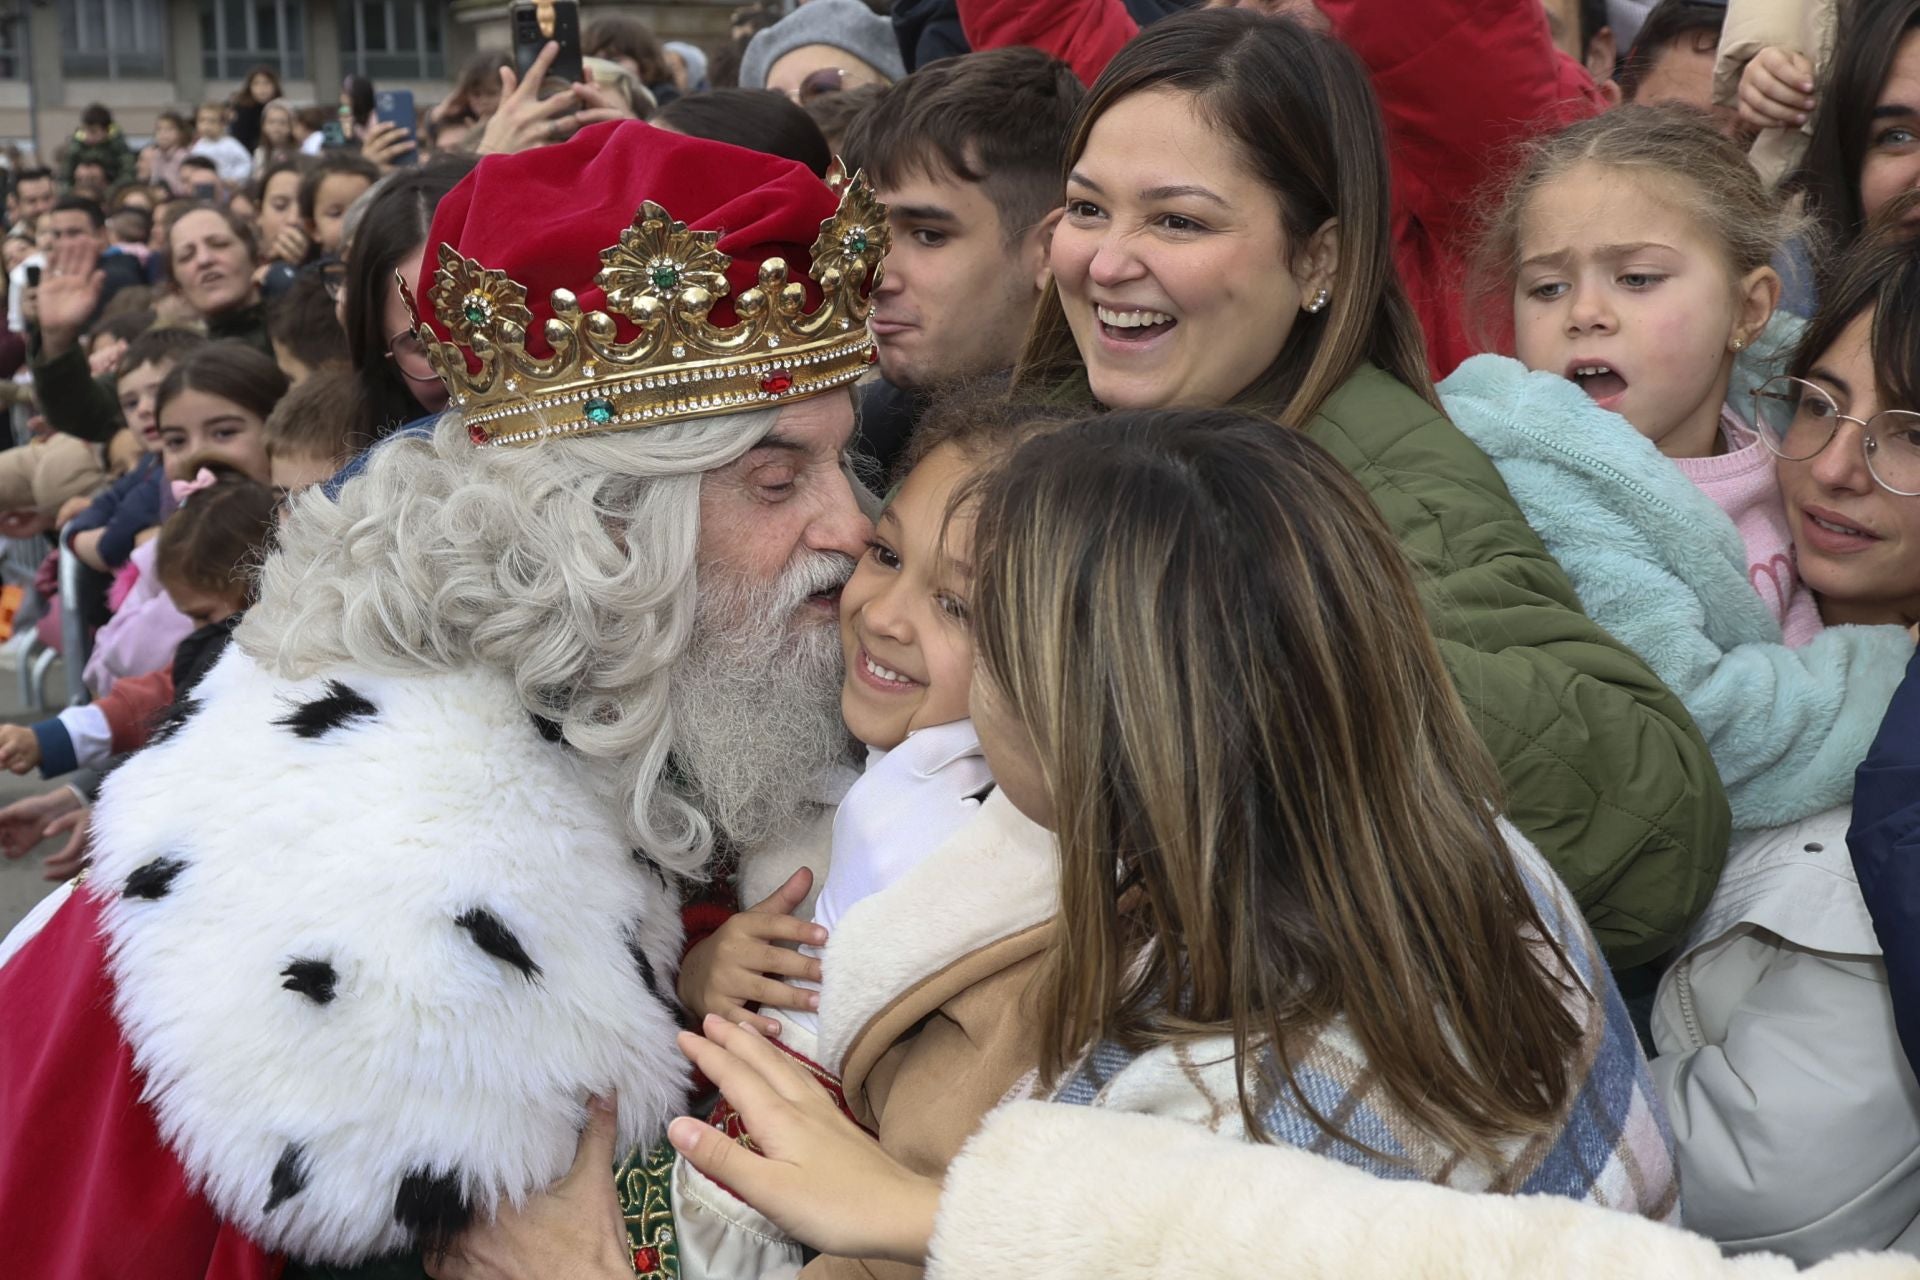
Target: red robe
x=88 y=1191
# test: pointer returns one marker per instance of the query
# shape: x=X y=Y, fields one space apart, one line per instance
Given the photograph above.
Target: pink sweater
x=1742 y=483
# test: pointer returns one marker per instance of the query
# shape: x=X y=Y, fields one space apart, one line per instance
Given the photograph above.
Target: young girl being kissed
x=1632 y=252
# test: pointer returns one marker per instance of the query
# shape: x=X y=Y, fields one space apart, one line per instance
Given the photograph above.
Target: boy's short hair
x=200 y=162
x=978 y=417
x=1667 y=23
x=316 y=418
x=999 y=118
x=329 y=164
x=96 y=116
x=72 y=203
x=130 y=225
x=303 y=320
x=212 y=104
x=159 y=346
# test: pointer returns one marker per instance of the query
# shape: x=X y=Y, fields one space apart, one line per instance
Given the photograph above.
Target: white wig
x=567 y=565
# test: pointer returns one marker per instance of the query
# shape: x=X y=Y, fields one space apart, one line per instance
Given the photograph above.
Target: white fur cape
x=375 y=941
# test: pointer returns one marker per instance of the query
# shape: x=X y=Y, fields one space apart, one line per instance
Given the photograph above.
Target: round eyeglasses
x=1797 y=419
x=410 y=354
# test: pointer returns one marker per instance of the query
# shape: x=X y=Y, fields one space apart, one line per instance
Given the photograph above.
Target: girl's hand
x=290 y=245
x=730 y=968
x=1776 y=89
x=25 y=823
x=525 y=120
x=384 y=143
x=820 y=1179
x=572 y=1230
x=77 y=851
x=19 y=749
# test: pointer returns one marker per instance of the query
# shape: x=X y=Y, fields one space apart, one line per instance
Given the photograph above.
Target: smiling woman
x=1226 y=243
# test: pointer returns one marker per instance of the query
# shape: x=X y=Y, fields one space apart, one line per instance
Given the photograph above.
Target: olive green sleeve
x=73 y=400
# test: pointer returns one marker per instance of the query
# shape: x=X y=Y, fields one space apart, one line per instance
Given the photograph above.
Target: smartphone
x=395 y=106
x=205 y=191
x=534 y=23
x=334 y=134
x=33 y=276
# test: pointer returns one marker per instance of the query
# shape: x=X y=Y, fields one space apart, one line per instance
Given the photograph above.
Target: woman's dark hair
x=479 y=74
x=1879 y=275
x=1301 y=112
x=215 y=542
x=243 y=96
x=757 y=119
x=393 y=229
x=1271 y=811
x=234 y=371
x=1863 y=53
x=619 y=35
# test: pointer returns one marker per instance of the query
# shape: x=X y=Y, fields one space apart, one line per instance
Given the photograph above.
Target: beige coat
x=1804 y=26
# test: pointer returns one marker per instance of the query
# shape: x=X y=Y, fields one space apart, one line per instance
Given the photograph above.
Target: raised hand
x=736 y=964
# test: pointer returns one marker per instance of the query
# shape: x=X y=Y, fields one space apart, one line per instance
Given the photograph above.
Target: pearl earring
x=1319 y=302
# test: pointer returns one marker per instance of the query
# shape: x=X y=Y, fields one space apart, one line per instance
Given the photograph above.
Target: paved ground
x=20 y=882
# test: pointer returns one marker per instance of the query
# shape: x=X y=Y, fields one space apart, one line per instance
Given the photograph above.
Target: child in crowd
x=208 y=551
x=304 y=328
x=104 y=533
x=329 y=188
x=159 y=161
x=213 y=405
x=277 y=142
x=100 y=142
x=1632 y=251
x=309 y=434
x=230 y=157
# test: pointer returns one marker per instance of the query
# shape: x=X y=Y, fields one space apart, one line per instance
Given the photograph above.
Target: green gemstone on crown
x=599 y=412
x=665 y=277
x=476 y=313
x=857 y=240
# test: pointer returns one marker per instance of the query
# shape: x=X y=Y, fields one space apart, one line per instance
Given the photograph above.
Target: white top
x=231 y=159
x=907 y=804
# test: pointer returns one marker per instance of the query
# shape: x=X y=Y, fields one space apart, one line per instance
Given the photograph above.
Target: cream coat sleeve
x=1053 y=1192
x=1047 y=1192
x=1804 y=26
x=1796 y=1115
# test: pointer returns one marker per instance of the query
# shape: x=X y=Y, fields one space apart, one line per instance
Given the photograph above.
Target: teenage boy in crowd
x=966 y=153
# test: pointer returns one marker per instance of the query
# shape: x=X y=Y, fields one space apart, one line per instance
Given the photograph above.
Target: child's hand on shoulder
x=19 y=749
x=1776 y=89
x=742 y=962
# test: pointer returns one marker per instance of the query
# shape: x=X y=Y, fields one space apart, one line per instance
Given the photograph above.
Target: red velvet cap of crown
x=543 y=216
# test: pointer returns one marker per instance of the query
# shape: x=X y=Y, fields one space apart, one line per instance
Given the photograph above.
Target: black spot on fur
x=548 y=729
x=497 y=940
x=170 y=720
x=313 y=979
x=431 y=1206
x=647 y=974
x=335 y=709
x=289 y=1177
x=154 y=879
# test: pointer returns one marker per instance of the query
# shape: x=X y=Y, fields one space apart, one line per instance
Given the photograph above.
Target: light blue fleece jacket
x=1663 y=569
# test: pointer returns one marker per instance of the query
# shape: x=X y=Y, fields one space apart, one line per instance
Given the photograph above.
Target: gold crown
x=666 y=280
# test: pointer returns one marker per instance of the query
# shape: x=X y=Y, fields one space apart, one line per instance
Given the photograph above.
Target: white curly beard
x=756 y=699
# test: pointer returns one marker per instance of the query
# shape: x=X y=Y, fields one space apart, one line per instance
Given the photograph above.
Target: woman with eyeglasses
x=397 y=385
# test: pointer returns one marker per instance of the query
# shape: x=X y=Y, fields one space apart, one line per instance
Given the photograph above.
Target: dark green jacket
x=1603 y=768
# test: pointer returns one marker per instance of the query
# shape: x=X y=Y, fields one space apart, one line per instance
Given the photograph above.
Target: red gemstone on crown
x=476 y=434
x=779 y=382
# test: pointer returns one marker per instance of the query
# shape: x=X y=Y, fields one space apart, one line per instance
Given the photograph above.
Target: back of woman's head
x=1263 y=782
x=757 y=119
x=1844 y=125
x=1300 y=111
x=392 y=229
x=237 y=372
x=214 y=544
x=1879 y=275
x=1678 y=156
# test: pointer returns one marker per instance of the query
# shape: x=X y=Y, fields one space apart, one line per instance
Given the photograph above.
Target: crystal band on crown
x=665 y=279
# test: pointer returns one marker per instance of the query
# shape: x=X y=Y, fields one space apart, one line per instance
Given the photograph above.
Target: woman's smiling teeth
x=1132 y=319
